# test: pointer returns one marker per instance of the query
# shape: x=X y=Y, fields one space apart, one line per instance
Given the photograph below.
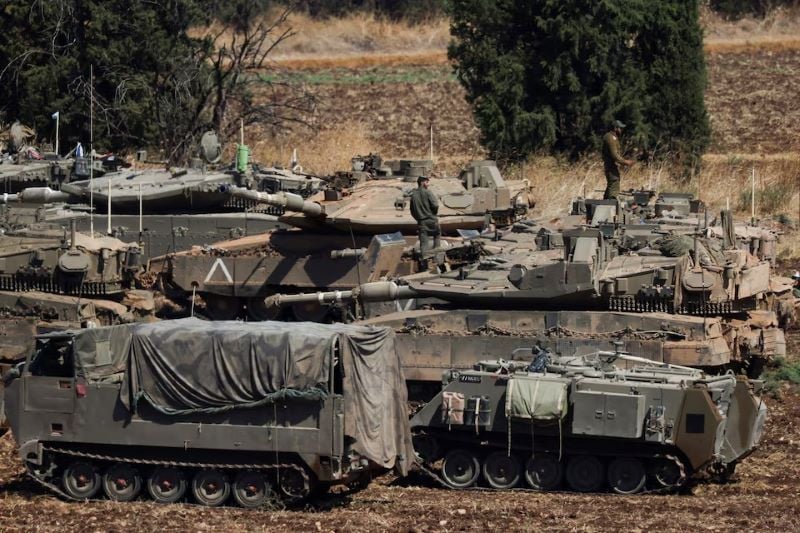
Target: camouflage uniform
x=424 y=209
x=611 y=158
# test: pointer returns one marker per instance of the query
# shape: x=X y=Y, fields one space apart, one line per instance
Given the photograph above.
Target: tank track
x=634 y=304
x=430 y=472
x=46 y=481
x=24 y=283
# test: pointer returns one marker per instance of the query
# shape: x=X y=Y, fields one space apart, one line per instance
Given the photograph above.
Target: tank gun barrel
x=289 y=201
x=348 y=253
x=35 y=195
x=378 y=291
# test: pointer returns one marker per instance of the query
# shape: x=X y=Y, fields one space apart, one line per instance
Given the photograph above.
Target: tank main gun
x=285 y=200
x=378 y=291
x=35 y=195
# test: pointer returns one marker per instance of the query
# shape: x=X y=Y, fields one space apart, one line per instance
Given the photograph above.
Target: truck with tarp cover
x=213 y=409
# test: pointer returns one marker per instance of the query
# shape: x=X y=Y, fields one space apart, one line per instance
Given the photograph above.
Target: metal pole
x=753 y=197
x=108 y=229
x=431 y=140
x=91 y=151
x=140 y=209
x=58 y=119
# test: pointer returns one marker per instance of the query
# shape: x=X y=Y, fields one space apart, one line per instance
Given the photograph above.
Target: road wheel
x=585 y=473
x=501 y=471
x=166 y=484
x=310 y=311
x=461 y=468
x=81 y=480
x=258 y=310
x=427 y=448
x=543 y=471
x=222 y=307
x=295 y=484
x=666 y=473
x=210 y=487
x=122 y=482
x=626 y=475
x=251 y=489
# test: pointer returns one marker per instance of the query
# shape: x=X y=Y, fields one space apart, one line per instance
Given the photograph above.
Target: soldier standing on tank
x=612 y=158
x=424 y=209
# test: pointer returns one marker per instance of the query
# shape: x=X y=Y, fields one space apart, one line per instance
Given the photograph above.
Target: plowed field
x=751 y=99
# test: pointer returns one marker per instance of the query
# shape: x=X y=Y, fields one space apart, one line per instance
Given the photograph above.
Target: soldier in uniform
x=424 y=209
x=612 y=158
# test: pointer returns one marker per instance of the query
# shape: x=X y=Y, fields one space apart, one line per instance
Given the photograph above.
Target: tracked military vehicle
x=339 y=241
x=592 y=423
x=236 y=278
x=379 y=204
x=174 y=408
x=677 y=298
x=164 y=210
x=55 y=280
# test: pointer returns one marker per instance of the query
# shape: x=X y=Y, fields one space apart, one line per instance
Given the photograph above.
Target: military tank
x=337 y=243
x=380 y=204
x=688 y=301
x=596 y=422
x=93 y=414
x=164 y=210
x=54 y=280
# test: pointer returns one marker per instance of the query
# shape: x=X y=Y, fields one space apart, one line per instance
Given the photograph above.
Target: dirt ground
x=750 y=98
x=762 y=496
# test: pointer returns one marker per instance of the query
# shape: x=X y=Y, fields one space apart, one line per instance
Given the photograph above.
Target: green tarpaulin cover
x=536 y=398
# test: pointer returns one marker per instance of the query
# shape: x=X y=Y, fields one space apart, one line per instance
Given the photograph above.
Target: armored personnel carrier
x=600 y=421
x=173 y=408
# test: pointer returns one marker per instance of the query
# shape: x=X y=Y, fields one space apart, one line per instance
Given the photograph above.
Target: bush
x=781 y=371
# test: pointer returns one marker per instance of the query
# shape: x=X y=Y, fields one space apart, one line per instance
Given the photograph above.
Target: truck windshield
x=53 y=358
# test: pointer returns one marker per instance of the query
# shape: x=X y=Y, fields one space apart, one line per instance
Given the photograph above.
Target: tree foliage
x=395 y=9
x=550 y=75
x=739 y=8
x=164 y=71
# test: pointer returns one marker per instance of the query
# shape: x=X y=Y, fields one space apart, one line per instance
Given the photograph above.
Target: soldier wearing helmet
x=612 y=157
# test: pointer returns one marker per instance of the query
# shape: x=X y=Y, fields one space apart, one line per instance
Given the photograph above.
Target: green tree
x=550 y=75
x=163 y=73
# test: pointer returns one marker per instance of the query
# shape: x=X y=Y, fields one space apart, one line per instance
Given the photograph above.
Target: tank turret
x=374 y=203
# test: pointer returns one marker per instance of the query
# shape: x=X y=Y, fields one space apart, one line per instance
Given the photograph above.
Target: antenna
x=91 y=150
x=753 y=197
x=241 y=130
x=108 y=229
x=140 y=210
x=431 y=140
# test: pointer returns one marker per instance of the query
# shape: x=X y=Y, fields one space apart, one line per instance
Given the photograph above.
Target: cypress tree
x=550 y=75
